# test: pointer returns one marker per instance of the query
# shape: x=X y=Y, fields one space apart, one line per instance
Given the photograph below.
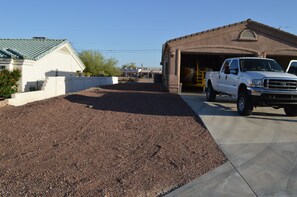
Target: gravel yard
x=120 y=140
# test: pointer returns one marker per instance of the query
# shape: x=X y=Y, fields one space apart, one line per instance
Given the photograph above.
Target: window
x=2 y=68
x=259 y=65
x=234 y=67
x=248 y=35
x=226 y=66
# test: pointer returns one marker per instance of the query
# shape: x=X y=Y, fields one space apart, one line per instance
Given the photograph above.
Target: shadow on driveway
x=225 y=106
x=134 y=86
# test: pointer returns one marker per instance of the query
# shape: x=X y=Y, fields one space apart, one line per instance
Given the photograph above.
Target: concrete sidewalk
x=223 y=181
x=261 y=149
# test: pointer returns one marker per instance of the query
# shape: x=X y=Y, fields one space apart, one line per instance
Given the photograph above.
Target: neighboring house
x=39 y=58
x=130 y=72
x=141 y=72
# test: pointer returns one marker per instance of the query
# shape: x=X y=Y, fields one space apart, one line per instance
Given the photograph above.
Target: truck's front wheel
x=210 y=93
x=291 y=110
x=244 y=104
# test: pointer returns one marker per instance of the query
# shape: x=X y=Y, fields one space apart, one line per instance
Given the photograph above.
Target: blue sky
x=134 y=30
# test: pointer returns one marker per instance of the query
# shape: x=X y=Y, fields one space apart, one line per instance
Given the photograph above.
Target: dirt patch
x=121 y=140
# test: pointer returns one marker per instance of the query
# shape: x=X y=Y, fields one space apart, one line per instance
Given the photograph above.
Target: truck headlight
x=257 y=83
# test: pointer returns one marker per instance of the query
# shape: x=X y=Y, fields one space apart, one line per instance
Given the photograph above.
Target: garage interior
x=195 y=65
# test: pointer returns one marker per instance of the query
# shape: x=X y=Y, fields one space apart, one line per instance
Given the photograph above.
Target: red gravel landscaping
x=120 y=140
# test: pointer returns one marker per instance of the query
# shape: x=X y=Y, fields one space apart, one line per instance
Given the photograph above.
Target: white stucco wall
x=55 y=86
x=5 y=63
x=61 y=60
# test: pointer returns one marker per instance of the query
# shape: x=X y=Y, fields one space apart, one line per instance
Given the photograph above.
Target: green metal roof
x=32 y=49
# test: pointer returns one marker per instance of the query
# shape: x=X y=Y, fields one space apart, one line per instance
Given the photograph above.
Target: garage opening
x=194 y=67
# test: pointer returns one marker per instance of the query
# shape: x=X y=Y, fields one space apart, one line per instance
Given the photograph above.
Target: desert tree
x=97 y=65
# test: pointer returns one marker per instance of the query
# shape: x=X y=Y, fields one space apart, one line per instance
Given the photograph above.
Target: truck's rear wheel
x=244 y=104
x=291 y=110
x=210 y=93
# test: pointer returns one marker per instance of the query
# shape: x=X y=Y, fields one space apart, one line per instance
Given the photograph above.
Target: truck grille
x=280 y=84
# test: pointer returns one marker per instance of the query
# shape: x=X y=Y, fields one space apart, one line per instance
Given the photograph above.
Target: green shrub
x=8 y=82
x=132 y=79
x=97 y=65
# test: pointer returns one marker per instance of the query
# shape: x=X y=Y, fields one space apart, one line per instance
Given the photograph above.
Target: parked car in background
x=292 y=67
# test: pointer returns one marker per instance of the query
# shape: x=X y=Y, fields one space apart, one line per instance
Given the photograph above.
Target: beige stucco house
x=185 y=59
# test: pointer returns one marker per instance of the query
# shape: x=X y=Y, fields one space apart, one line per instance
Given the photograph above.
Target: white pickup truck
x=292 y=67
x=254 y=82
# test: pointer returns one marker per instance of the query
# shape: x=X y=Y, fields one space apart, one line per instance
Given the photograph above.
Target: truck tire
x=244 y=104
x=210 y=93
x=291 y=110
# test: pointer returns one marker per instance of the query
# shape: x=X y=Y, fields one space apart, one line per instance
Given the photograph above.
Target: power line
x=122 y=50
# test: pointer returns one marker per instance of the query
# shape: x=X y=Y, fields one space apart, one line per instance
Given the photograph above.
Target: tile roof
x=231 y=25
x=32 y=49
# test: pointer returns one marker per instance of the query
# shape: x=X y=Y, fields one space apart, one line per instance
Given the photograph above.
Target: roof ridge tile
x=230 y=25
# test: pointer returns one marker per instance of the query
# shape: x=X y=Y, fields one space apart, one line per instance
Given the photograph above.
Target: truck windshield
x=260 y=65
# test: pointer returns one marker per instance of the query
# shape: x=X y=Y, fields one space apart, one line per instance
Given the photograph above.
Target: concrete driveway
x=261 y=151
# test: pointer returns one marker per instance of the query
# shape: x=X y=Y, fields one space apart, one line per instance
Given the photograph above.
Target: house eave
x=246 y=22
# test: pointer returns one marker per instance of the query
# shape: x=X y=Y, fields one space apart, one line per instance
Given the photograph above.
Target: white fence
x=56 y=86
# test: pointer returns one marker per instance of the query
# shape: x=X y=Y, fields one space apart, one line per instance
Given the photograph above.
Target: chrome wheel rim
x=241 y=103
x=207 y=93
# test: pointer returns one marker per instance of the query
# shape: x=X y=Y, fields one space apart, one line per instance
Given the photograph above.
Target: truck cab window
x=234 y=67
x=225 y=67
